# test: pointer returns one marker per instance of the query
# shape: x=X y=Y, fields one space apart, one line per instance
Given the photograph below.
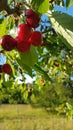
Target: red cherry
x=6 y=68
x=32 y=18
x=8 y=43
x=22 y=46
x=36 y=38
x=56 y=64
x=24 y=32
x=0 y=68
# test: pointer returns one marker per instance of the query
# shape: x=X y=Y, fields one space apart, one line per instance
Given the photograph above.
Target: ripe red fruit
x=6 y=68
x=36 y=38
x=22 y=46
x=24 y=32
x=56 y=64
x=32 y=18
x=8 y=43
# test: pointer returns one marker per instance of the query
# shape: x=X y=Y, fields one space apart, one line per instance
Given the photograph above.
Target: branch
x=4 y=6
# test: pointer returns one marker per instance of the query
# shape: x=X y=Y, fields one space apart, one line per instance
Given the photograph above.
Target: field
x=24 y=117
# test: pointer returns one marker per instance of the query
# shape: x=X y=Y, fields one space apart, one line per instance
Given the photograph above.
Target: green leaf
x=10 y=22
x=41 y=6
x=25 y=67
x=44 y=73
x=8 y=83
x=67 y=3
x=6 y=25
x=10 y=2
x=71 y=3
x=28 y=59
x=25 y=96
x=3 y=28
x=63 y=25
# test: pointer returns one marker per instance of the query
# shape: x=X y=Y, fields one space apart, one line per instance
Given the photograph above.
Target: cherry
x=24 y=31
x=22 y=46
x=36 y=38
x=6 y=68
x=8 y=42
x=32 y=18
x=56 y=64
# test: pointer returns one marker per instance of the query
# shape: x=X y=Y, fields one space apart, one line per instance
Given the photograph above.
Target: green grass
x=24 y=117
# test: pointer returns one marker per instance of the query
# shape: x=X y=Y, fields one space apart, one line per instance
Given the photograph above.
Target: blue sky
x=64 y=9
x=57 y=8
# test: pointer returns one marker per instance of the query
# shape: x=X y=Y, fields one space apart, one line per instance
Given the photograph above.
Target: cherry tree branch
x=4 y=6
